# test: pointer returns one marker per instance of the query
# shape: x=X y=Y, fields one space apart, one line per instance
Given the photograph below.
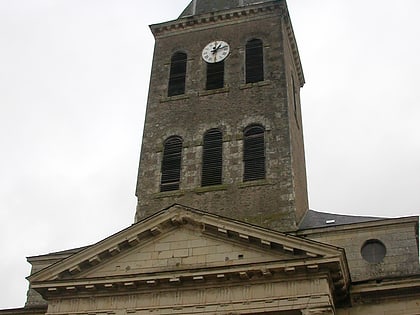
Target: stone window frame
x=177 y=74
x=373 y=251
x=215 y=75
x=212 y=158
x=171 y=164
x=254 y=157
x=254 y=60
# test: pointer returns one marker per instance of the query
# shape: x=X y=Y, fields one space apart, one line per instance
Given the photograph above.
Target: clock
x=215 y=51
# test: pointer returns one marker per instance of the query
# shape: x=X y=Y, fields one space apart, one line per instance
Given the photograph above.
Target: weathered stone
x=280 y=200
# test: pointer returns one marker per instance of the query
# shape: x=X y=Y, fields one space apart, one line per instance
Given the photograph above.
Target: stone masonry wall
x=402 y=256
x=270 y=202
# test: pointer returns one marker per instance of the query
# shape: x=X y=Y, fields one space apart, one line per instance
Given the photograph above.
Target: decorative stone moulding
x=186 y=23
x=190 y=21
x=205 y=227
x=296 y=258
x=277 y=271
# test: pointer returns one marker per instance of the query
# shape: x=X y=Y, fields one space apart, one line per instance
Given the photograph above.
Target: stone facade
x=184 y=261
x=280 y=200
x=398 y=235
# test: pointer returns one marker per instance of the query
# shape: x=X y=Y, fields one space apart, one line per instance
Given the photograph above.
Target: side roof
x=316 y=219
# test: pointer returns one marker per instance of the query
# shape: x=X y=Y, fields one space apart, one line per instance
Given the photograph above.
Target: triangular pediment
x=182 y=243
x=182 y=248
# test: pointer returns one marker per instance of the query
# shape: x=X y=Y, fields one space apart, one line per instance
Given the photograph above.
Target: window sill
x=245 y=86
x=200 y=190
x=179 y=193
x=165 y=194
x=174 y=98
x=258 y=182
x=210 y=188
x=215 y=91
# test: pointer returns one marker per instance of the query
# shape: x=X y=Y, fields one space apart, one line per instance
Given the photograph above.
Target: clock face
x=215 y=51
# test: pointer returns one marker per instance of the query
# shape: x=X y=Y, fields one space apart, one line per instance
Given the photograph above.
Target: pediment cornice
x=304 y=256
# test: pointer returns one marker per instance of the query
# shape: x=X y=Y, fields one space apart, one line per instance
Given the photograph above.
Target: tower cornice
x=233 y=16
x=207 y=20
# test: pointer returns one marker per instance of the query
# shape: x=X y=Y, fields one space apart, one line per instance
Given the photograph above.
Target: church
x=222 y=224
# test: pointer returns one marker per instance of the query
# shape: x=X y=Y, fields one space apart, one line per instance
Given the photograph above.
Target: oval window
x=373 y=251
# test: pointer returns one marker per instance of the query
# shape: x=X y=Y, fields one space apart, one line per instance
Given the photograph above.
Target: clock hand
x=215 y=48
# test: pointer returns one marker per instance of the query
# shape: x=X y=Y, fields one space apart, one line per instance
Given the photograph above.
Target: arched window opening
x=211 y=172
x=254 y=153
x=254 y=61
x=171 y=164
x=215 y=75
x=177 y=74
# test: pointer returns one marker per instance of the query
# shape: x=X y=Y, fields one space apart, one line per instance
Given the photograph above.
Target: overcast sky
x=73 y=87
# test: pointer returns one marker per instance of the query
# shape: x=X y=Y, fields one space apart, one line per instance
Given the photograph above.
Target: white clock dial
x=215 y=51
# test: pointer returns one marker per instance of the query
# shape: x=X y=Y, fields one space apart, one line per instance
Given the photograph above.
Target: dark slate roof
x=315 y=219
x=206 y=6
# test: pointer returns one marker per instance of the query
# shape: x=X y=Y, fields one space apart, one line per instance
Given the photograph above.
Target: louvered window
x=171 y=164
x=177 y=74
x=254 y=153
x=215 y=75
x=211 y=173
x=254 y=60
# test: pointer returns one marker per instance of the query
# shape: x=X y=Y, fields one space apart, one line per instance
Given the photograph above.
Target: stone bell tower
x=223 y=127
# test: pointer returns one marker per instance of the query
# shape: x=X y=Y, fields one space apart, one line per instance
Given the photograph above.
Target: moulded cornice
x=208 y=20
x=275 y=271
x=303 y=255
x=385 y=289
x=361 y=225
x=226 y=17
